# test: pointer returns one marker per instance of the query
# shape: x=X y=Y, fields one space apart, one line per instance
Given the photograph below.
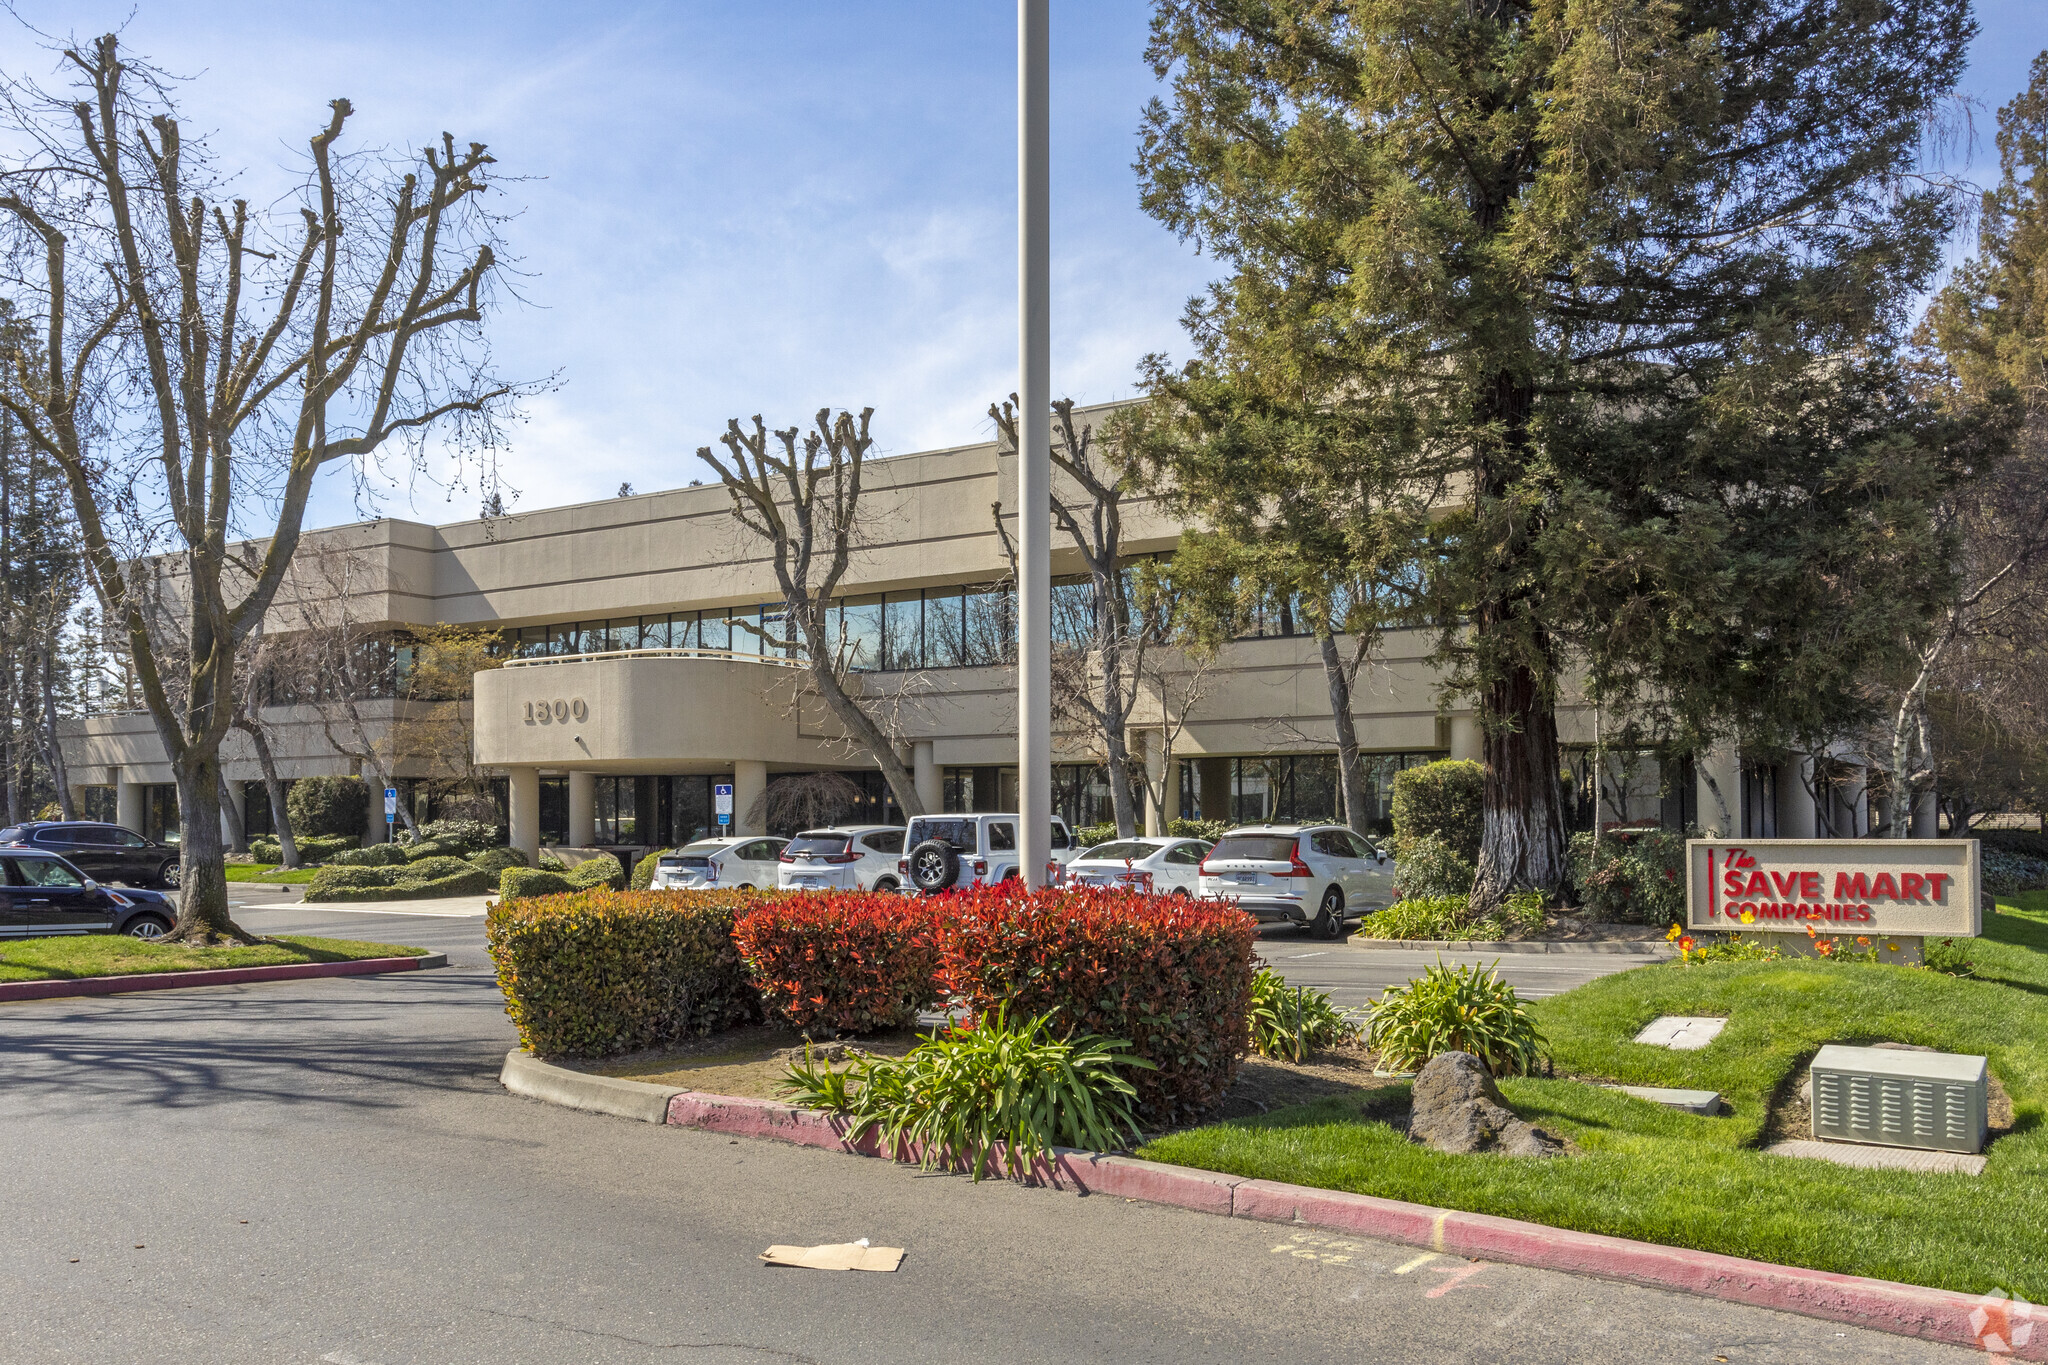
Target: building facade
x=646 y=659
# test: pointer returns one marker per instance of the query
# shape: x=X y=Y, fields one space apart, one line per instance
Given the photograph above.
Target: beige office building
x=644 y=668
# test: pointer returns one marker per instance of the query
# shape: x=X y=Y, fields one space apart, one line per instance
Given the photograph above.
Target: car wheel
x=886 y=885
x=934 y=866
x=147 y=926
x=1182 y=892
x=1329 y=920
x=167 y=875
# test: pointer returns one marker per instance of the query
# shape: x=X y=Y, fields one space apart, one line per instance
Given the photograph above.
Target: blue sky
x=735 y=209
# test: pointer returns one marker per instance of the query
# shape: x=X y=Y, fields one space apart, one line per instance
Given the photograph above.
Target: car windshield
x=1127 y=851
x=831 y=845
x=704 y=848
x=10 y=835
x=959 y=833
x=1262 y=848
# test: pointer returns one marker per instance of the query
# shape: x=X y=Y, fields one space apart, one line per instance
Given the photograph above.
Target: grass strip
x=1651 y=1173
x=82 y=955
x=273 y=873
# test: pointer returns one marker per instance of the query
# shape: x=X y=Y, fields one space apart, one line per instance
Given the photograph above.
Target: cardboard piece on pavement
x=837 y=1256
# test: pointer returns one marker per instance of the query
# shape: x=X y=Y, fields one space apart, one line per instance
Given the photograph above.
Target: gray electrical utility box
x=1932 y=1100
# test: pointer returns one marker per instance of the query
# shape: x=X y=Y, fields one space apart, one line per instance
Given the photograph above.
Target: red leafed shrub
x=1173 y=978
x=853 y=962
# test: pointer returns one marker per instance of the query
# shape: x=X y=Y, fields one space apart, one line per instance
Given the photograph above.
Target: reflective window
x=1002 y=837
x=714 y=631
x=944 y=628
x=654 y=632
x=991 y=627
x=859 y=632
x=745 y=629
x=903 y=632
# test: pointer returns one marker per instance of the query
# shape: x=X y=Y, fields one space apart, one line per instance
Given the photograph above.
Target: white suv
x=1313 y=875
x=942 y=852
x=848 y=858
x=744 y=862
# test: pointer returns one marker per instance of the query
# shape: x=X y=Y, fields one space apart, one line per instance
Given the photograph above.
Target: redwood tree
x=1620 y=284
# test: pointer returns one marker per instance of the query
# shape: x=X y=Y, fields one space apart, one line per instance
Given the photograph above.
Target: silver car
x=1162 y=866
x=842 y=858
x=1317 y=876
x=748 y=861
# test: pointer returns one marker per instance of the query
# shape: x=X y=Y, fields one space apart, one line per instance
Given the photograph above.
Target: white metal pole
x=1034 y=447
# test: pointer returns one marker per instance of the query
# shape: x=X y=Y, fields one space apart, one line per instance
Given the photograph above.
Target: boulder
x=1458 y=1109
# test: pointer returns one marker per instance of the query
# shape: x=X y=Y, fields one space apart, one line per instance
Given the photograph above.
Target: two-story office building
x=644 y=664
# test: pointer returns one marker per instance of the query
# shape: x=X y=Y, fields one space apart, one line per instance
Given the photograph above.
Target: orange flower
x=1810 y=933
x=1862 y=942
x=1685 y=944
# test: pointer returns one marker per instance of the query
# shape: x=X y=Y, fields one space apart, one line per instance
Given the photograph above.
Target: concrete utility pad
x=1681 y=1032
x=1691 y=1101
x=1880 y=1158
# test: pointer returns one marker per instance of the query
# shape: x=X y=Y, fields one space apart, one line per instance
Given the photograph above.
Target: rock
x=1458 y=1109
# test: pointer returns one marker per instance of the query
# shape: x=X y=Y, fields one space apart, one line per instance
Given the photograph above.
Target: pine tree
x=1619 y=285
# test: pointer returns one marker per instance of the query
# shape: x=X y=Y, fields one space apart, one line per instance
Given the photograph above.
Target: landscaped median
x=110 y=964
x=1050 y=987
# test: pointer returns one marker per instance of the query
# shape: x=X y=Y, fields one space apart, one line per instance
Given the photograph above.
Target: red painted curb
x=221 y=976
x=1880 y=1305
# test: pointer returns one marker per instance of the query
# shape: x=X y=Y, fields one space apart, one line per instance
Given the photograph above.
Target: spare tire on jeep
x=934 y=866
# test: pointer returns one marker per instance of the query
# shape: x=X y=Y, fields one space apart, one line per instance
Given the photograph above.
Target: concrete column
x=523 y=796
x=1465 y=738
x=1796 y=815
x=582 y=810
x=1212 y=788
x=131 y=805
x=1926 y=816
x=749 y=780
x=1155 y=778
x=1717 y=794
x=925 y=775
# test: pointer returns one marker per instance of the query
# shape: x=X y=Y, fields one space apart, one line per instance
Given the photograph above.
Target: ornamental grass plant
x=994 y=1096
x=1293 y=1021
x=1455 y=1009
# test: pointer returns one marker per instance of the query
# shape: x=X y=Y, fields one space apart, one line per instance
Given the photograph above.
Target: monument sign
x=1895 y=888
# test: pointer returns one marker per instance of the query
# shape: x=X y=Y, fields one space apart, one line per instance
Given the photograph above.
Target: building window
x=97 y=803
x=554 y=810
x=160 y=813
x=1759 y=801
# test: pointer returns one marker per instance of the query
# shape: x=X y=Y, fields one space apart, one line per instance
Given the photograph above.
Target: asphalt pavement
x=328 y=1171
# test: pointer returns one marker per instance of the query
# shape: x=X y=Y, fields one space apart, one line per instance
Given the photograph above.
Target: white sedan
x=1165 y=867
x=741 y=862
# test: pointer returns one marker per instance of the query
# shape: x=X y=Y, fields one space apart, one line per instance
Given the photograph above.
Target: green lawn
x=1652 y=1173
x=47 y=959
x=269 y=872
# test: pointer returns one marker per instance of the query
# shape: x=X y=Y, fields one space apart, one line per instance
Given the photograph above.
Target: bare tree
x=258 y=357
x=1097 y=674
x=803 y=498
x=252 y=691
x=805 y=801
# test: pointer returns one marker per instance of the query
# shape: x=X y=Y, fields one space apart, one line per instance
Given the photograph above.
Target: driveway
x=327 y=1171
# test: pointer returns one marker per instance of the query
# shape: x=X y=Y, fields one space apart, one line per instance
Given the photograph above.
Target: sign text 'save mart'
x=1908 y=887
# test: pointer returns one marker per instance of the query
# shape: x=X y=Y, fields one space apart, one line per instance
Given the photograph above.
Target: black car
x=108 y=853
x=44 y=894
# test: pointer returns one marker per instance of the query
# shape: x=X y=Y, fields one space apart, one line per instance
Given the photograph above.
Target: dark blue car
x=44 y=894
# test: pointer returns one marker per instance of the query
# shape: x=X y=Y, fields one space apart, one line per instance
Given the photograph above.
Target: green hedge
x=1443 y=798
x=433 y=848
x=376 y=855
x=426 y=879
x=313 y=848
x=496 y=860
x=328 y=805
x=603 y=972
x=526 y=883
x=643 y=871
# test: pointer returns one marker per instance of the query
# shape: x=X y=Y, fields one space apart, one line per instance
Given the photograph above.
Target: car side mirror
x=91 y=885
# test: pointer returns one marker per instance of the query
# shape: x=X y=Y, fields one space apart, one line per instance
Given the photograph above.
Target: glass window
x=42 y=872
x=745 y=627
x=1129 y=850
x=1313 y=791
x=991 y=627
x=1073 y=612
x=1261 y=848
x=884 y=841
x=860 y=632
x=715 y=630
x=961 y=834
x=903 y=632
x=825 y=845
x=778 y=629
x=654 y=632
x=1188 y=854
x=1059 y=835
x=944 y=628
x=1002 y=837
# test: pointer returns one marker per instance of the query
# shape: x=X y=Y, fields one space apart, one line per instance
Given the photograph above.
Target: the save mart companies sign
x=1917 y=887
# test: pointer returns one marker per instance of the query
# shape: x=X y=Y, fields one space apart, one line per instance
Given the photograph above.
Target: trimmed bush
x=328 y=805
x=1173 y=978
x=375 y=855
x=466 y=837
x=1444 y=799
x=1088 y=836
x=602 y=972
x=852 y=962
x=643 y=871
x=1428 y=868
x=314 y=848
x=1211 y=830
x=496 y=860
x=423 y=880
x=1634 y=876
x=2007 y=873
x=432 y=848
x=525 y=883
x=550 y=862
x=2027 y=843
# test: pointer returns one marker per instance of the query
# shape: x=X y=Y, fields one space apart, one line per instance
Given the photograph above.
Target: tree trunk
x=1119 y=766
x=1350 y=772
x=53 y=752
x=238 y=831
x=869 y=735
x=1522 y=842
x=280 y=817
x=202 y=874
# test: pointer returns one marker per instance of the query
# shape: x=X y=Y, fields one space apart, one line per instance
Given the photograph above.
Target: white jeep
x=944 y=852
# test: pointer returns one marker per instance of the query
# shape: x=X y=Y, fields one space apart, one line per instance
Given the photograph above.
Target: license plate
x=1245 y=878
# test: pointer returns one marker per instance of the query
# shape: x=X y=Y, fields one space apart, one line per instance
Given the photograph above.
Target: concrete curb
x=528 y=1075
x=1627 y=947
x=1879 y=1305
x=221 y=976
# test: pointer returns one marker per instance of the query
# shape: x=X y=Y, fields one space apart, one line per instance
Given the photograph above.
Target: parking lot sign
x=721 y=803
